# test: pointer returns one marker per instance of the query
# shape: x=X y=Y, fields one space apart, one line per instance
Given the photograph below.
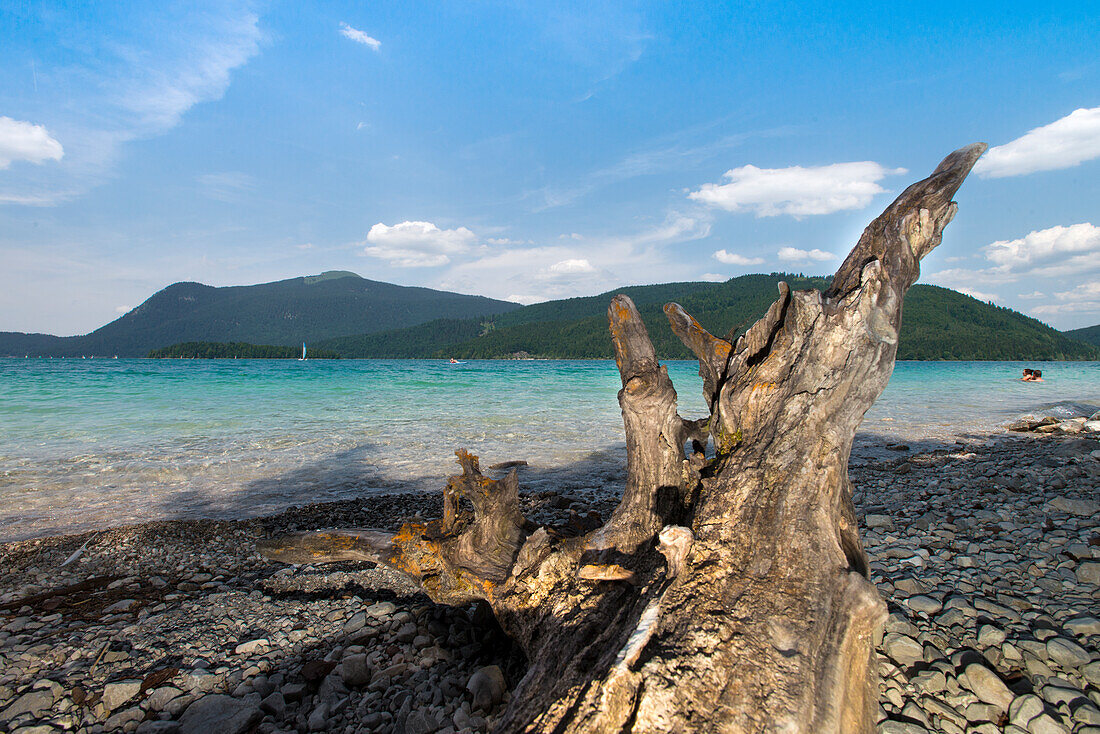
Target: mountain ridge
x=283 y=313
x=1087 y=334
x=938 y=324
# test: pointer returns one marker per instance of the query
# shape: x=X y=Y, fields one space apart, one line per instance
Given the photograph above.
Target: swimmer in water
x=1032 y=375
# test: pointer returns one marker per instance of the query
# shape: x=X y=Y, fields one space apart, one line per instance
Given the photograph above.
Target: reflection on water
x=87 y=443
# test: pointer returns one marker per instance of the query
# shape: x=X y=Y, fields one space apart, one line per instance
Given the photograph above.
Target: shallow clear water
x=90 y=443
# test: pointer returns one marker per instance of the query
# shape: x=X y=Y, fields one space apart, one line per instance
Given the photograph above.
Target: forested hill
x=284 y=313
x=235 y=350
x=1089 y=334
x=938 y=324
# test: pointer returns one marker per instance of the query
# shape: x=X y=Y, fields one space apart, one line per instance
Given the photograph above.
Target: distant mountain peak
x=330 y=275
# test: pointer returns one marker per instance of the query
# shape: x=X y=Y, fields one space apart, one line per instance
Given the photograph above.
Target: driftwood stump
x=727 y=594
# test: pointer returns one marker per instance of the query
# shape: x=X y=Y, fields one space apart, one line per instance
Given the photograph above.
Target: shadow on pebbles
x=986 y=552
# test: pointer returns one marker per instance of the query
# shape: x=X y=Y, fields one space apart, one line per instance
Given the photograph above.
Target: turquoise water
x=90 y=443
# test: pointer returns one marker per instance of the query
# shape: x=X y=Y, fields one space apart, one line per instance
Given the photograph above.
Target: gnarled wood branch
x=725 y=595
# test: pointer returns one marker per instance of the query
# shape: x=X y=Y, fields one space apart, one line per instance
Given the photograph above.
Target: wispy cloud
x=25 y=141
x=732 y=258
x=359 y=36
x=796 y=191
x=980 y=295
x=1064 y=143
x=577 y=267
x=667 y=153
x=1084 y=298
x=130 y=87
x=417 y=244
x=228 y=186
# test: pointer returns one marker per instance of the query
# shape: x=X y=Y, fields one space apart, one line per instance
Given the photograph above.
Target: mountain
x=284 y=313
x=938 y=324
x=1088 y=334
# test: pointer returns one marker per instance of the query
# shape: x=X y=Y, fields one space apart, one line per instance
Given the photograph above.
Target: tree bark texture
x=724 y=594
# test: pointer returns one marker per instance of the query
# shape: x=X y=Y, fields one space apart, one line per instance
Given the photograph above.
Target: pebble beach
x=986 y=551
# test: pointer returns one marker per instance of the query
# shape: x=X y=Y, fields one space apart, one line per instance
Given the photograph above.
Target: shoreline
x=986 y=550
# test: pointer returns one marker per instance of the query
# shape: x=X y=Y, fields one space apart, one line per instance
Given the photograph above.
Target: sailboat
x=303 y=357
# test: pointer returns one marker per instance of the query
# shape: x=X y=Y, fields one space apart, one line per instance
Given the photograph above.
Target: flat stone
x=926 y=604
x=987 y=686
x=1087 y=714
x=1092 y=673
x=1046 y=724
x=159 y=698
x=357 y=622
x=1089 y=573
x=1066 y=652
x=903 y=650
x=34 y=703
x=880 y=522
x=990 y=636
x=930 y=681
x=118 y=693
x=1025 y=708
x=381 y=610
x=1078 y=507
x=219 y=713
x=199 y=680
x=123 y=605
x=119 y=720
x=1056 y=694
x=252 y=646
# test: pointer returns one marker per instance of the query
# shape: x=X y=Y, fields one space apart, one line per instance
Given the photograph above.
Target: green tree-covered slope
x=1089 y=334
x=235 y=350
x=938 y=324
x=286 y=312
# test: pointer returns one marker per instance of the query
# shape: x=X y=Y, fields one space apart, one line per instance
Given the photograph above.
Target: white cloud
x=1057 y=250
x=713 y=277
x=980 y=295
x=122 y=309
x=25 y=141
x=796 y=191
x=578 y=268
x=506 y=241
x=525 y=300
x=1085 y=298
x=1085 y=291
x=1063 y=143
x=359 y=36
x=1058 y=259
x=795 y=255
x=572 y=266
x=732 y=258
x=417 y=244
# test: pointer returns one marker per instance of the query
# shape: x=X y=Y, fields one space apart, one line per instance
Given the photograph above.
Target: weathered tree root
x=728 y=595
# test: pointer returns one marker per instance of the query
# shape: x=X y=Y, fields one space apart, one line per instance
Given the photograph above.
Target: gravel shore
x=986 y=550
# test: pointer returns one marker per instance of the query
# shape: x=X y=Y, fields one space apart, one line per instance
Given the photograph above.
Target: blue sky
x=532 y=151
